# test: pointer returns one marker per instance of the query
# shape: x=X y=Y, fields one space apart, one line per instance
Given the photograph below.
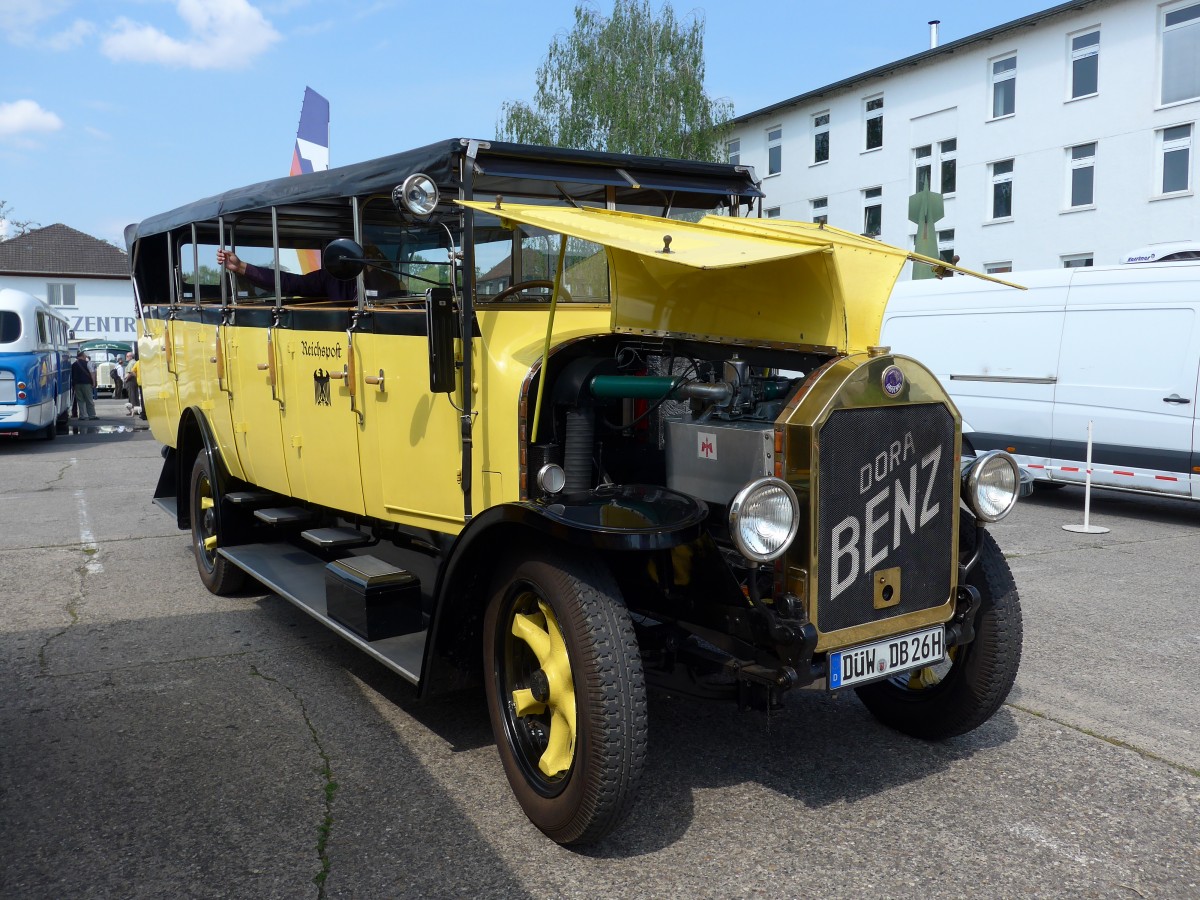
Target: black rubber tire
x=50 y=432
x=218 y=574
x=594 y=795
x=980 y=674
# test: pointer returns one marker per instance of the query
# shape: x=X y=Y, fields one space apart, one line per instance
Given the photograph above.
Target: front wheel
x=964 y=691
x=566 y=695
x=218 y=574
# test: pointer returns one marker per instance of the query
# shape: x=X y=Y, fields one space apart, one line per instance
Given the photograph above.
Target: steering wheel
x=519 y=287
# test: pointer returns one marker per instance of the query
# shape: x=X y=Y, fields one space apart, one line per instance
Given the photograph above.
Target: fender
x=630 y=518
x=193 y=436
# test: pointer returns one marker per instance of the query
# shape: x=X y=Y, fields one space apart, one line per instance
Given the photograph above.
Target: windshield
x=420 y=254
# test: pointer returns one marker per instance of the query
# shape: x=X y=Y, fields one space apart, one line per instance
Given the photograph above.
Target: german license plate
x=883 y=659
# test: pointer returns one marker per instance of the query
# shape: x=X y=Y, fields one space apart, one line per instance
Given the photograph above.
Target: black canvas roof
x=500 y=167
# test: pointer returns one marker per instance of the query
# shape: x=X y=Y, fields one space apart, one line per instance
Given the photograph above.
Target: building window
x=873 y=212
x=1002 y=174
x=1081 y=164
x=949 y=156
x=772 y=212
x=733 y=152
x=943 y=164
x=821 y=137
x=60 y=294
x=946 y=245
x=774 y=151
x=1180 y=41
x=997 y=268
x=1077 y=260
x=1175 y=159
x=1085 y=64
x=923 y=157
x=874 y=115
x=1004 y=86
x=820 y=210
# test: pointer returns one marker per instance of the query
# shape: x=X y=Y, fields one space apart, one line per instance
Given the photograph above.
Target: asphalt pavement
x=159 y=741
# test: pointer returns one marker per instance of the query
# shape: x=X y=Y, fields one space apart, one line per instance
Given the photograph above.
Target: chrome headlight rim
x=972 y=482
x=418 y=184
x=737 y=509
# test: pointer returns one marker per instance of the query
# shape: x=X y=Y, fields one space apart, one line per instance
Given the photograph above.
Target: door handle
x=1175 y=398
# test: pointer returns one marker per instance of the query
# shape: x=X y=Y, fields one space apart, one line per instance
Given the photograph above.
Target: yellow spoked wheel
x=566 y=695
x=543 y=693
x=218 y=574
x=930 y=676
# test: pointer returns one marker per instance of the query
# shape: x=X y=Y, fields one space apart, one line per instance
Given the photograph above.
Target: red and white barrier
x=1091 y=471
x=1087 y=527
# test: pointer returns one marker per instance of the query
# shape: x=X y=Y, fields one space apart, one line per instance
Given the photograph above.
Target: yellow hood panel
x=748 y=281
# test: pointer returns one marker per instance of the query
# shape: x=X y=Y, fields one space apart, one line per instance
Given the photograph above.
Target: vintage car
x=107 y=357
x=570 y=424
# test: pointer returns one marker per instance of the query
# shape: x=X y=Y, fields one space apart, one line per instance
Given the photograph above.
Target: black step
x=251 y=498
x=335 y=538
x=284 y=515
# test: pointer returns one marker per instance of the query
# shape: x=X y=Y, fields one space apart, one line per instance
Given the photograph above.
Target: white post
x=1087 y=527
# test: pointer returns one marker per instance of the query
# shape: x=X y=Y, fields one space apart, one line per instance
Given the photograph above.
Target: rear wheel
x=964 y=691
x=218 y=574
x=566 y=695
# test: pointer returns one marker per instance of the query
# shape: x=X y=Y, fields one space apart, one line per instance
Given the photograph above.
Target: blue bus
x=35 y=366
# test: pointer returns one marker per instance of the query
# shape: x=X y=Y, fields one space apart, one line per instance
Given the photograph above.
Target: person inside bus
x=318 y=283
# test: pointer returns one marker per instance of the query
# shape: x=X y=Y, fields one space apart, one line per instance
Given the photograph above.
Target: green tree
x=630 y=83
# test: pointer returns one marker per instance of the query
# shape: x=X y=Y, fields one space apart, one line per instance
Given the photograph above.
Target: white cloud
x=70 y=37
x=223 y=34
x=19 y=19
x=23 y=116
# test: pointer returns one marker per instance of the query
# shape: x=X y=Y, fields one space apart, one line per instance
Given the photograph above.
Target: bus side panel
x=320 y=429
x=257 y=431
x=409 y=444
x=160 y=399
x=221 y=414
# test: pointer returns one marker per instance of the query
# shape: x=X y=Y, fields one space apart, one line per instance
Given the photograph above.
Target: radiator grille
x=886 y=494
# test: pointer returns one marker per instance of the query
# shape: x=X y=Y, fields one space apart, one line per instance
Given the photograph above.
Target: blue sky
x=114 y=110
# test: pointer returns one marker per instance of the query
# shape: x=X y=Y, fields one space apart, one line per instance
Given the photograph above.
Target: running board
x=299 y=576
x=170 y=504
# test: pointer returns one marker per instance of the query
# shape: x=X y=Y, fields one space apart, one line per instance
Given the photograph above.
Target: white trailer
x=1115 y=345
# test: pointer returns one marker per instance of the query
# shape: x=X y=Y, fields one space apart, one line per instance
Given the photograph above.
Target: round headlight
x=991 y=486
x=418 y=194
x=764 y=518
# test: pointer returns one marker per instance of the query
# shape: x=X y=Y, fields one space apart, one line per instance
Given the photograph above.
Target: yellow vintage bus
x=567 y=425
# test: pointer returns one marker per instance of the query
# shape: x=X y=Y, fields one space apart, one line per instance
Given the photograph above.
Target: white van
x=1115 y=345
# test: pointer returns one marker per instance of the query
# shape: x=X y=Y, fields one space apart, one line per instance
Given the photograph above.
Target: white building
x=1062 y=138
x=84 y=277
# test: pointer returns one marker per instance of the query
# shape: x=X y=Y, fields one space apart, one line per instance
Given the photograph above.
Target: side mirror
x=441 y=323
x=343 y=259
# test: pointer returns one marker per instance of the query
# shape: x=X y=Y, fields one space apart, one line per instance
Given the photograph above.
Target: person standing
x=82 y=385
x=131 y=382
x=118 y=377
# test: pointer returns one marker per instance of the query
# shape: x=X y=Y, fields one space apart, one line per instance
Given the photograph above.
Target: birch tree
x=629 y=83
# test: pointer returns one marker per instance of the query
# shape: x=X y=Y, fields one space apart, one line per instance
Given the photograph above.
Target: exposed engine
x=701 y=426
